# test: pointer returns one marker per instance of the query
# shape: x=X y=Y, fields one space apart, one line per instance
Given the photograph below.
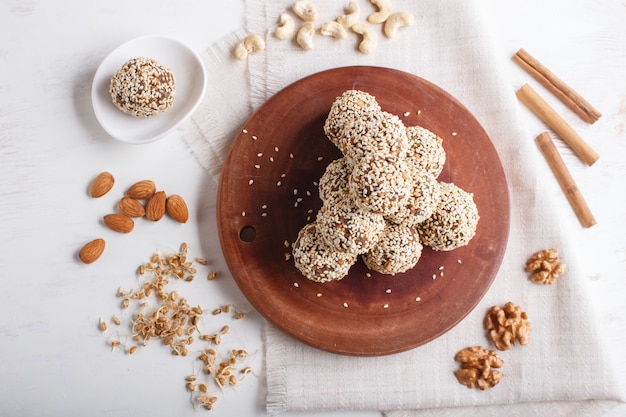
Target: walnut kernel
x=506 y=325
x=544 y=266
x=476 y=364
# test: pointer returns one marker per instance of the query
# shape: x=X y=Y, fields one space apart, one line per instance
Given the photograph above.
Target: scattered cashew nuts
x=305 y=10
x=352 y=15
x=384 y=10
x=250 y=44
x=304 y=36
x=396 y=21
x=334 y=29
x=369 y=41
x=286 y=28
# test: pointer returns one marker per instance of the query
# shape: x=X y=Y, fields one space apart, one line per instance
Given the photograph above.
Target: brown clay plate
x=268 y=192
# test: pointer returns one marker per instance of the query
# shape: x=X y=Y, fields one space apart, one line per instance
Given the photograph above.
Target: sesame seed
x=243 y=214
x=263 y=214
x=276 y=148
x=388 y=290
x=264 y=206
x=419 y=112
x=441 y=274
x=385 y=305
x=319 y=158
x=441 y=268
x=271 y=159
x=418 y=298
x=244 y=131
x=295 y=191
x=453 y=133
x=345 y=305
x=279 y=183
x=250 y=182
x=319 y=294
x=254 y=137
x=406 y=113
x=291 y=155
x=458 y=261
x=367 y=274
x=283 y=175
x=286 y=243
x=434 y=276
x=295 y=284
x=257 y=166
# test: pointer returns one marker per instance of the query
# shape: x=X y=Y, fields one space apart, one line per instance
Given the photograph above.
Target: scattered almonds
x=101 y=185
x=131 y=207
x=141 y=190
x=155 y=207
x=177 y=208
x=91 y=251
x=119 y=222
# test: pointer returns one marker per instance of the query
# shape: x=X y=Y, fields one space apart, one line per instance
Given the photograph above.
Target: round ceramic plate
x=268 y=192
x=189 y=78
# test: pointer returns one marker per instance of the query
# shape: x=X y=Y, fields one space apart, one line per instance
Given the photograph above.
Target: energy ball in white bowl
x=316 y=260
x=398 y=250
x=454 y=222
x=143 y=88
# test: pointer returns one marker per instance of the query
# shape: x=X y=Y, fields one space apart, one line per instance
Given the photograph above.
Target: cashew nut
x=396 y=21
x=286 y=28
x=250 y=44
x=352 y=15
x=334 y=29
x=305 y=36
x=369 y=41
x=305 y=10
x=384 y=10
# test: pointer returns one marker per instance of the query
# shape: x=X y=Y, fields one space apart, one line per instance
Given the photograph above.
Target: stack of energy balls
x=382 y=200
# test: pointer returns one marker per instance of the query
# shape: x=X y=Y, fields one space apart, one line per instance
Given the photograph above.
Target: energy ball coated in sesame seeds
x=346 y=107
x=316 y=260
x=454 y=222
x=421 y=202
x=143 y=88
x=398 y=250
x=373 y=133
x=347 y=228
x=380 y=186
x=425 y=151
x=333 y=184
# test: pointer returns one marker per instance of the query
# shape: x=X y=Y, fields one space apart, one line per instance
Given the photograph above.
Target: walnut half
x=506 y=325
x=544 y=266
x=476 y=364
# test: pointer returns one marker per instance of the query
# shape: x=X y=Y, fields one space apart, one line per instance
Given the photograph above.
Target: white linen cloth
x=564 y=371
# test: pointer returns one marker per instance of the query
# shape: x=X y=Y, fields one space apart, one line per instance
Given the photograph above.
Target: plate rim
x=499 y=254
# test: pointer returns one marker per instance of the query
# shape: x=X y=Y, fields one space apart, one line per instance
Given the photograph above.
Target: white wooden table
x=53 y=358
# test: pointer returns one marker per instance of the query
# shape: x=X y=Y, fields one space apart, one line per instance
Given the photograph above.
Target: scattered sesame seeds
x=264 y=206
x=319 y=158
x=319 y=294
x=263 y=214
x=243 y=214
x=271 y=159
x=453 y=133
x=295 y=191
x=385 y=305
x=276 y=148
x=244 y=131
x=367 y=274
x=254 y=137
x=419 y=112
x=283 y=175
x=418 y=298
x=279 y=183
x=257 y=166
x=251 y=182
x=388 y=290
x=458 y=261
x=345 y=305
x=260 y=154
x=407 y=113
x=291 y=155
x=295 y=284
x=441 y=268
x=434 y=276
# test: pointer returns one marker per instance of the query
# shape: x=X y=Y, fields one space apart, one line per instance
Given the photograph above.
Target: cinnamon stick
x=565 y=180
x=546 y=113
x=564 y=92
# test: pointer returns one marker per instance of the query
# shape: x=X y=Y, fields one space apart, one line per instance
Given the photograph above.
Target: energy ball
x=347 y=228
x=398 y=250
x=143 y=88
x=453 y=224
x=380 y=186
x=351 y=104
x=421 y=202
x=425 y=151
x=333 y=184
x=373 y=133
x=316 y=260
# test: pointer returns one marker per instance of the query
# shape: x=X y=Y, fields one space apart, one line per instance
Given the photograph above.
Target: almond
x=177 y=208
x=101 y=185
x=119 y=222
x=141 y=190
x=155 y=207
x=131 y=207
x=91 y=251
